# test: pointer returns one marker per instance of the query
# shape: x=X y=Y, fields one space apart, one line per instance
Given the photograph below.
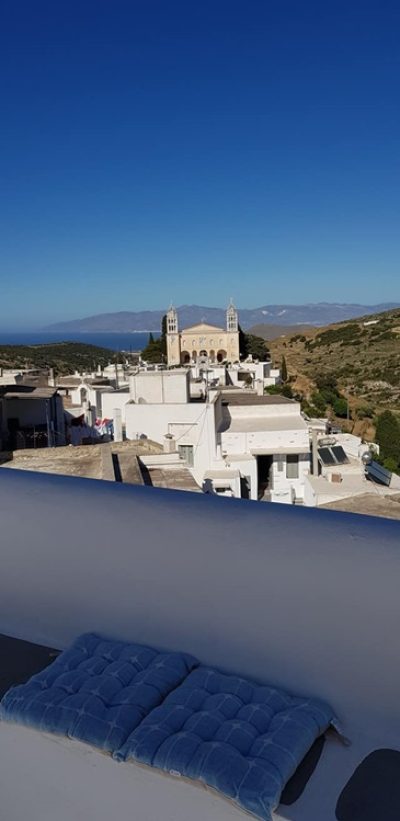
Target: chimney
x=117 y=422
x=315 y=452
x=90 y=413
x=169 y=443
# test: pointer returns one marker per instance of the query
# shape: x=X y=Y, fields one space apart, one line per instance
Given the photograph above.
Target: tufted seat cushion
x=242 y=739
x=97 y=690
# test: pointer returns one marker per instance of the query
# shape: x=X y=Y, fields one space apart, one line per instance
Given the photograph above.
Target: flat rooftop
x=27 y=392
x=85 y=461
x=344 y=494
x=244 y=398
x=173 y=478
x=222 y=474
x=250 y=424
x=369 y=504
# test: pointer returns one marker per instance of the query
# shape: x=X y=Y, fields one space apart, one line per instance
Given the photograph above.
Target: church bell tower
x=173 y=343
x=232 y=325
x=232 y=332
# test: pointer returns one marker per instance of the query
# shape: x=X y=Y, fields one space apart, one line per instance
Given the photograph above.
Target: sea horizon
x=115 y=340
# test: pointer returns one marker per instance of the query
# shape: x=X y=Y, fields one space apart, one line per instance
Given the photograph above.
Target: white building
x=258 y=445
x=267 y=435
x=257 y=375
x=15 y=376
x=30 y=416
x=339 y=471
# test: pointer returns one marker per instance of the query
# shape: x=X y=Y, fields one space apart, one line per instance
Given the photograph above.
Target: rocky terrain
x=362 y=356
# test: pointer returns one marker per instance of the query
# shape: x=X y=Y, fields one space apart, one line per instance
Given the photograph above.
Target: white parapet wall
x=305 y=599
x=111 y=401
x=163 y=387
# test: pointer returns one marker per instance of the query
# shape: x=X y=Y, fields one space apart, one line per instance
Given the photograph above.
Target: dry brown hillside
x=363 y=355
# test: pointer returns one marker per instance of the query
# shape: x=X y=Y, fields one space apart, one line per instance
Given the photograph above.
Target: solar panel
x=339 y=454
x=326 y=456
x=378 y=473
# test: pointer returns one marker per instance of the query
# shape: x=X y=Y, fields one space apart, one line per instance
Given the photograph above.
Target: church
x=203 y=343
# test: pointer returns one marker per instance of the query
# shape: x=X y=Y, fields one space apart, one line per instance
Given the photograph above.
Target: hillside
x=363 y=356
x=64 y=357
x=266 y=331
x=321 y=313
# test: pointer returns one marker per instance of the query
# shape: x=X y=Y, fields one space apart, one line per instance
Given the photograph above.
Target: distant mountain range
x=321 y=313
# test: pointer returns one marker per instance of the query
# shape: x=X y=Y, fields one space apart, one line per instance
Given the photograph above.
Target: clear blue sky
x=154 y=150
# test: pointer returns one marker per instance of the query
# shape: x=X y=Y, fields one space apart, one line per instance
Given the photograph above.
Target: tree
x=156 y=349
x=340 y=407
x=388 y=436
x=243 y=345
x=152 y=352
x=280 y=390
x=318 y=403
x=327 y=387
x=284 y=373
x=287 y=391
x=250 y=345
x=256 y=346
x=163 y=338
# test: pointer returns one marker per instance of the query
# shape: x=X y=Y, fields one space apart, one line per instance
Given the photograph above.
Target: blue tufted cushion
x=97 y=691
x=242 y=739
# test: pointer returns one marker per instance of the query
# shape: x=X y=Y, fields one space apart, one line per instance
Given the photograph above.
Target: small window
x=292 y=466
x=280 y=463
x=186 y=453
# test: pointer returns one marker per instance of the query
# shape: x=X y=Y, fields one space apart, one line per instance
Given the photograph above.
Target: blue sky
x=154 y=150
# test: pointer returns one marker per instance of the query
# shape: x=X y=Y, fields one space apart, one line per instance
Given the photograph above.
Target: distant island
x=322 y=313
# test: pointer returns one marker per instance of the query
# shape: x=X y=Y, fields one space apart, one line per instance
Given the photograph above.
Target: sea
x=129 y=342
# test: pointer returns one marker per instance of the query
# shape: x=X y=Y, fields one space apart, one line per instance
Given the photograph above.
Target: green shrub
x=340 y=407
x=388 y=436
x=319 y=403
x=365 y=412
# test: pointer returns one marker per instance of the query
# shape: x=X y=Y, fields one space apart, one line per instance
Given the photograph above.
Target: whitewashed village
x=202 y=420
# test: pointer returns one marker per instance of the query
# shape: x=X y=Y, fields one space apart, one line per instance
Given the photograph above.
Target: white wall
x=11 y=378
x=285 y=489
x=305 y=599
x=265 y=440
x=248 y=469
x=111 y=401
x=90 y=393
x=160 y=386
x=190 y=424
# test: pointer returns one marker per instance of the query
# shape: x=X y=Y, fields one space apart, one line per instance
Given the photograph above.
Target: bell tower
x=232 y=325
x=232 y=332
x=172 y=320
x=173 y=340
